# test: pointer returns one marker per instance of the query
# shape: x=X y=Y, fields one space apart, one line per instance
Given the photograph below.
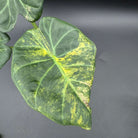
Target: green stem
x=34 y=25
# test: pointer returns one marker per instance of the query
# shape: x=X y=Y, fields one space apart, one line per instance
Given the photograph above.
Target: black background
x=128 y=3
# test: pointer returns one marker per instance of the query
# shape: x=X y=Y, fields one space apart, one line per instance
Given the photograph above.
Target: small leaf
x=9 y=10
x=5 y=51
x=53 y=68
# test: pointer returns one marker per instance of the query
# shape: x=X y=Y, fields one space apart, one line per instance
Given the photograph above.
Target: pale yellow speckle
x=89 y=83
x=39 y=108
x=23 y=40
x=28 y=17
x=80 y=63
x=80 y=120
x=69 y=72
x=73 y=111
x=41 y=52
x=28 y=8
x=69 y=59
x=83 y=39
x=79 y=88
x=84 y=99
x=85 y=90
x=19 y=82
x=42 y=90
x=76 y=52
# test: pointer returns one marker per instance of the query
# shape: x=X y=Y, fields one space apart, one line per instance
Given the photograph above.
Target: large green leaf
x=5 y=51
x=9 y=10
x=53 y=68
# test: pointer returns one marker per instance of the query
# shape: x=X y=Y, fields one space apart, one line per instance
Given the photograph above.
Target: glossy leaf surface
x=53 y=68
x=5 y=51
x=9 y=10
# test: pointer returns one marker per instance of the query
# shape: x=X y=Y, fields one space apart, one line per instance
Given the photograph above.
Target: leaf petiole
x=34 y=25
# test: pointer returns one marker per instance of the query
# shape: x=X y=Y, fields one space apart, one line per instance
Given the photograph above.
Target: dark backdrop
x=113 y=26
x=128 y=3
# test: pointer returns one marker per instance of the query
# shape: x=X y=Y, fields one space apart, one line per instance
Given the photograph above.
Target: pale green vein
x=63 y=54
x=46 y=33
x=45 y=27
x=62 y=38
x=44 y=44
x=25 y=8
x=4 y=8
x=82 y=82
x=31 y=63
x=36 y=37
x=69 y=82
x=29 y=46
x=50 y=37
x=45 y=41
x=63 y=99
x=10 y=16
x=42 y=78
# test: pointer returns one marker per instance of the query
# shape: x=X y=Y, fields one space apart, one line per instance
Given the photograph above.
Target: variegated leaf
x=9 y=10
x=53 y=68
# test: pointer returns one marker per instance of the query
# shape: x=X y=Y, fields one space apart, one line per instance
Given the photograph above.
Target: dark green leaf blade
x=9 y=10
x=30 y=9
x=8 y=15
x=5 y=51
x=53 y=68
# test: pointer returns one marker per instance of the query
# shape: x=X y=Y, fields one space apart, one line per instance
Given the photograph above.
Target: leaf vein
x=4 y=7
x=42 y=78
x=69 y=82
x=63 y=37
x=50 y=37
x=80 y=82
x=39 y=61
x=63 y=100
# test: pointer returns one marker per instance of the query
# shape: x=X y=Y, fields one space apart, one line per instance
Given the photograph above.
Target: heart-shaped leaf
x=5 y=51
x=53 y=68
x=9 y=10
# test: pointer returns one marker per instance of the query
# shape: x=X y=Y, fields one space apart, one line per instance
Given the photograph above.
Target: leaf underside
x=9 y=10
x=53 y=68
x=5 y=51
